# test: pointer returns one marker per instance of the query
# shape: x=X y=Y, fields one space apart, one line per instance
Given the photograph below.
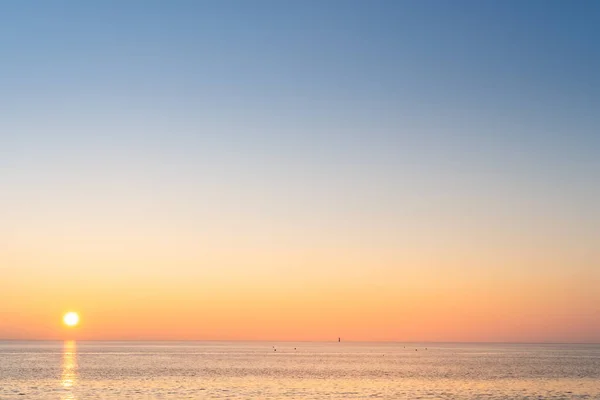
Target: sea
x=297 y=370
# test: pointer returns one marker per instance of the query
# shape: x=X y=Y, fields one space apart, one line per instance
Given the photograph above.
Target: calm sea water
x=254 y=370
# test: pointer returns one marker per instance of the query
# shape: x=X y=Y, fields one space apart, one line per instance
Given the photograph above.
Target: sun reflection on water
x=68 y=378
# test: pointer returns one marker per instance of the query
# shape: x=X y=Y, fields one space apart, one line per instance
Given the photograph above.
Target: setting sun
x=71 y=319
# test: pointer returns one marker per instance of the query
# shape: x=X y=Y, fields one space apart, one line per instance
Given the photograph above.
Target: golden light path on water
x=69 y=369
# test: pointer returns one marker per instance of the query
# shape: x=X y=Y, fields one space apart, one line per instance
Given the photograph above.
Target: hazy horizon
x=294 y=341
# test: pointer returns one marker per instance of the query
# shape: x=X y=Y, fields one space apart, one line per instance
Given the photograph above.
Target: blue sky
x=492 y=99
x=507 y=88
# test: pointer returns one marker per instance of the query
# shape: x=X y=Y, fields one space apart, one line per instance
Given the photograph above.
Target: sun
x=71 y=319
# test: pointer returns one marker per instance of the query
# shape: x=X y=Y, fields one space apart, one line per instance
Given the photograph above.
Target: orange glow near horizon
x=394 y=311
x=179 y=290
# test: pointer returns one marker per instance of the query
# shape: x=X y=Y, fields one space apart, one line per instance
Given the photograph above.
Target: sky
x=300 y=170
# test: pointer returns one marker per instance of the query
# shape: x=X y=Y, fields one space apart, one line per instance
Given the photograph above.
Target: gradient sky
x=299 y=170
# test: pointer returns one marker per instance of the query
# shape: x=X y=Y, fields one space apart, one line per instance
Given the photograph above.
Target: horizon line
x=292 y=341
